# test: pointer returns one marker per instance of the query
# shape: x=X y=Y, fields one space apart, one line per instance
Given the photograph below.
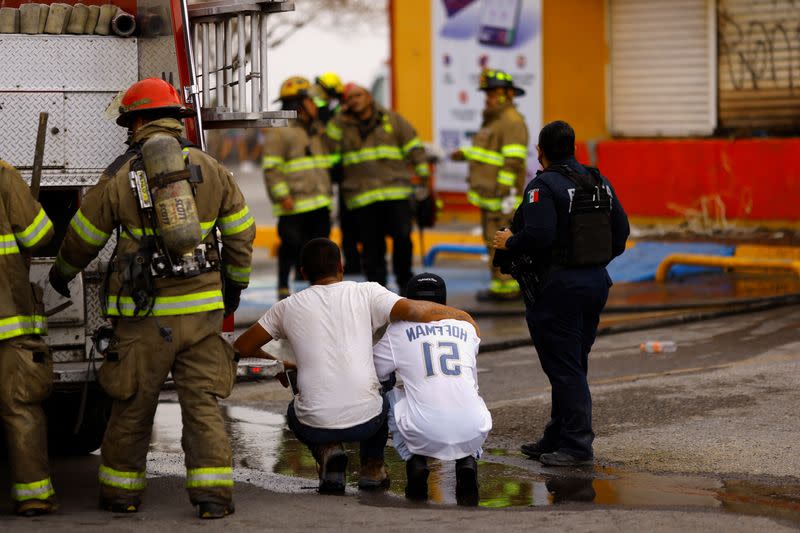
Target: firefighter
x=330 y=97
x=329 y=92
x=166 y=318
x=497 y=168
x=380 y=153
x=296 y=169
x=26 y=368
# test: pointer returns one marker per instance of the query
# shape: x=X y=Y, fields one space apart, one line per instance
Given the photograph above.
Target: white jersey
x=438 y=412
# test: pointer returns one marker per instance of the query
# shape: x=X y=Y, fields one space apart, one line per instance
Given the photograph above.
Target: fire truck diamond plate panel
x=92 y=140
x=67 y=63
x=19 y=116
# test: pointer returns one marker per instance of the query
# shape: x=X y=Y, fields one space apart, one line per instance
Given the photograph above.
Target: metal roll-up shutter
x=663 y=67
x=759 y=66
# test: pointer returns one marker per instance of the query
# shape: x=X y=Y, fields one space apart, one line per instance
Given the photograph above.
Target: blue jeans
x=372 y=434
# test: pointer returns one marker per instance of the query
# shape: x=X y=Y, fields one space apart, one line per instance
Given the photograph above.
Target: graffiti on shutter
x=759 y=66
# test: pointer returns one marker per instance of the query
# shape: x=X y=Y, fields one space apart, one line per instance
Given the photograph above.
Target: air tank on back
x=174 y=203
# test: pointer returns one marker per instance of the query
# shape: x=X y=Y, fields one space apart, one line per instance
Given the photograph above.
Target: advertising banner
x=468 y=36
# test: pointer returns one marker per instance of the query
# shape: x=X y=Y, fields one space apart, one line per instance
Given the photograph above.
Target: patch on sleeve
x=533 y=196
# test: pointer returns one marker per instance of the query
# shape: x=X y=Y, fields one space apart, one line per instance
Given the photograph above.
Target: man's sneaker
x=467 y=481
x=212 y=510
x=31 y=508
x=120 y=506
x=373 y=475
x=417 y=476
x=332 y=463
x=535 y=449
x=559 y=458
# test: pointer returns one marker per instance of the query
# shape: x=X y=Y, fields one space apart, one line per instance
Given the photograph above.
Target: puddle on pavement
x=261 y=442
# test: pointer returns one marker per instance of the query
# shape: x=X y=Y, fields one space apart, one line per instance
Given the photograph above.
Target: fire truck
x=214 y=53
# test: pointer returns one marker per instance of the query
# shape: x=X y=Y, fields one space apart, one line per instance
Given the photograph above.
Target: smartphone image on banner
x=454 y=6
x=499 y=22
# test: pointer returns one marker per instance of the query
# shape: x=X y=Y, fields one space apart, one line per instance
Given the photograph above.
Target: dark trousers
x=372 y=434
x=349 y=226
x=563 y=325
x=376 y=221
x=294 y=231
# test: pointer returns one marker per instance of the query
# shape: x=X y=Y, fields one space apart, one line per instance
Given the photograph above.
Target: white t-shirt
x=330 y=328
x=438 y=412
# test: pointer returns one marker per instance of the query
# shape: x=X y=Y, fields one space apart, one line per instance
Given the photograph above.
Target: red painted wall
x=755 y=179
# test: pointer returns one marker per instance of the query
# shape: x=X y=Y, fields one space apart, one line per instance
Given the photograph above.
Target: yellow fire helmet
x=294 y=87
x=331 y=83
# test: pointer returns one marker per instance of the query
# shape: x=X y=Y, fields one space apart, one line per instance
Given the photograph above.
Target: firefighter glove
x=58 y=283
x=231 y=296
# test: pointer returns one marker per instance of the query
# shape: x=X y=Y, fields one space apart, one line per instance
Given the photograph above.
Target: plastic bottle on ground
x=658 y=346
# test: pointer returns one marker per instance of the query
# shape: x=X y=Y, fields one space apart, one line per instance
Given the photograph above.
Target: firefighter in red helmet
x=164 y=294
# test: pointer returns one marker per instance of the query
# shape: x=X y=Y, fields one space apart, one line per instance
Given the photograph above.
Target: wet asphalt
x=271 y=466
x=635 y=393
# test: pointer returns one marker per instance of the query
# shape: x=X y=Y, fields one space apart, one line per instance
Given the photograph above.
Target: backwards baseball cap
x=427 y=286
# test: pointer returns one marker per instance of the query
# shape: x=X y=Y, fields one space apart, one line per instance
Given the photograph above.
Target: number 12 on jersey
x=448 y=351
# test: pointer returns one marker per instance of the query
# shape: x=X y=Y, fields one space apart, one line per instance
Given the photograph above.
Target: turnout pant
x=563 y=325
x=294 y=231
x=349 y=226
x=376 y=221
x=26 y=370
x=372 y=434
x=137 y=363
x=491 y=222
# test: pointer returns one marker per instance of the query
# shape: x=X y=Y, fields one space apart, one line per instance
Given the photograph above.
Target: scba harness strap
x=152 y=259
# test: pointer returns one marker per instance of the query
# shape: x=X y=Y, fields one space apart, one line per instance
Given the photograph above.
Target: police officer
x=26 y=368
x=570 y=224
x=497 y=169
x=296 y=167
x=167 y=321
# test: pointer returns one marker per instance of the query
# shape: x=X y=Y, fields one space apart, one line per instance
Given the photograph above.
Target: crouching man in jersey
x=437 y=412
x=330 y=326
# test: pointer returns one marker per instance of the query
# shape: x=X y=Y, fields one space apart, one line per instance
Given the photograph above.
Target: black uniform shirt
x=541 y=224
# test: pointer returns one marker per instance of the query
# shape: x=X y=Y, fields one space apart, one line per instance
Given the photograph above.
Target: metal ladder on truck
x=227 y=63
x=226 y=48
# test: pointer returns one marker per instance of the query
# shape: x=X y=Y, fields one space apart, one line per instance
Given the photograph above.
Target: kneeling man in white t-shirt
x=438 y=412
x=330 y=326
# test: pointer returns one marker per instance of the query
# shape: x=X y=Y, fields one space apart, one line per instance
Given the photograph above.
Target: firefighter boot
x=120 y=506
x=32 y=508
x=212 y=510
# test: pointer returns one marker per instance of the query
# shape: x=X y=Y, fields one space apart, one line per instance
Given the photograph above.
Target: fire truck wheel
x=63 y=410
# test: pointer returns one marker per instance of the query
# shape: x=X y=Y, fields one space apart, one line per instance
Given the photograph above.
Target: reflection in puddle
x=261 y=442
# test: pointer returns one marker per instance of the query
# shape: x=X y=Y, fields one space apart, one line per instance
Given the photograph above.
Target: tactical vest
x=590 y=232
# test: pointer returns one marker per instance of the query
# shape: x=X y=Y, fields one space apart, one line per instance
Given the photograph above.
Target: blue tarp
x=640 y=262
